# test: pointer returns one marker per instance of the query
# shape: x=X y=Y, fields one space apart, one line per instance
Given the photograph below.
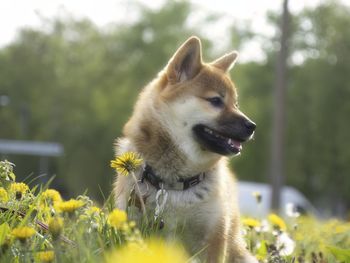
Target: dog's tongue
x=235 y=144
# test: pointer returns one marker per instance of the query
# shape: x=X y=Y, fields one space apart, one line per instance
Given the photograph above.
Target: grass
x=36 y=225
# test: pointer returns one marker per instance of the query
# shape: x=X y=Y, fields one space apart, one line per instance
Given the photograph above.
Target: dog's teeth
x=229 y=141
x=208 y=131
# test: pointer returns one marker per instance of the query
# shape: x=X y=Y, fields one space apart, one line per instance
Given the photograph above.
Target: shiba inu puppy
x=185 y=123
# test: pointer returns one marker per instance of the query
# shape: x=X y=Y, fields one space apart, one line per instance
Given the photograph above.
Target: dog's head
x=199 y=104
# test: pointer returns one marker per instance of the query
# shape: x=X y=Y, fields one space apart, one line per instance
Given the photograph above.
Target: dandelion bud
x=55 y=227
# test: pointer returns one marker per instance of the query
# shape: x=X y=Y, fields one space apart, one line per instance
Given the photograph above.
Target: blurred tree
x=76 y=84
x=254 y=83
x=317 y=148
x=277 y=167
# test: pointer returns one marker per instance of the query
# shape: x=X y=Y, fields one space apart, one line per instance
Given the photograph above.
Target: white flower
x=264 y=227
x=285 y=244
x=291 y=210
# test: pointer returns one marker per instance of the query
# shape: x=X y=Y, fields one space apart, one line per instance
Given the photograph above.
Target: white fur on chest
x=194 y=205
x=187 y=216
x=192 y=214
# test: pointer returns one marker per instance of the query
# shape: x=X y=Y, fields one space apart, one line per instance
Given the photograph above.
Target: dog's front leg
x=237 y=253
x=216 y=246
x=245 y=258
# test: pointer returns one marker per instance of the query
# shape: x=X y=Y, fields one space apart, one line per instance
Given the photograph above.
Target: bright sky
x=18 y=13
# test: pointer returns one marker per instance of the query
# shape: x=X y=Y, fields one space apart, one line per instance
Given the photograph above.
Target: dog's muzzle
x=227 y=138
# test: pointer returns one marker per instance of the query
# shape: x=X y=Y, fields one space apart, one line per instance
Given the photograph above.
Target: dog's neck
x=163 y=155
x=165 y=158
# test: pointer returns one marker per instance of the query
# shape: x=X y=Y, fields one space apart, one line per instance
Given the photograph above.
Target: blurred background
x=70 y=72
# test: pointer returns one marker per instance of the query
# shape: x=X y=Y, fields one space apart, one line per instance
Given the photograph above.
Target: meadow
x=37 y=225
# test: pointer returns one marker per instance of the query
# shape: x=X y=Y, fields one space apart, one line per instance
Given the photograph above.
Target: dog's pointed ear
x=226 y=62
x=186 y=62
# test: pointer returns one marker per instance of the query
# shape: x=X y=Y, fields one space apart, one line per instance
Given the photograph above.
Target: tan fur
x=160 y=131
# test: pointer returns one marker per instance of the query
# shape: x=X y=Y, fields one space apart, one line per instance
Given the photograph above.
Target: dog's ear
x=186 y=62
x=226 y=62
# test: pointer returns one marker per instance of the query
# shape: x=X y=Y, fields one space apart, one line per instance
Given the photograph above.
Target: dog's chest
x=188 y=217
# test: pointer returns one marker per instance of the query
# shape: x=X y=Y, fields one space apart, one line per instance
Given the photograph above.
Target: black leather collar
x=180 y=185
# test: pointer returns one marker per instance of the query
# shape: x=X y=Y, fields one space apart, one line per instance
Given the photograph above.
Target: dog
x=184 y=125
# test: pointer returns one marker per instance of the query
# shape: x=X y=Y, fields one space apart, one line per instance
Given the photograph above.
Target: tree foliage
x=76 y=83
x=317 y=148
x=319 y=105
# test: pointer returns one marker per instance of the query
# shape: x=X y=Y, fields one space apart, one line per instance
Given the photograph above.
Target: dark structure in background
x=43 y=150
x=279 y=121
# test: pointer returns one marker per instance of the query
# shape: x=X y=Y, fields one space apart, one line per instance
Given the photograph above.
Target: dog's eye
x=216 y=102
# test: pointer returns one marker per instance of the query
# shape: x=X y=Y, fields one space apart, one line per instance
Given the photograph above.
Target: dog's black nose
x=250 y=126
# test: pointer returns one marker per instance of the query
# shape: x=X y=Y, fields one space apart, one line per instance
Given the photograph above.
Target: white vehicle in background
x=249 y=205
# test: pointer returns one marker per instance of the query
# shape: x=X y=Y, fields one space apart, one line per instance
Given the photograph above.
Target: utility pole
x=279 y=114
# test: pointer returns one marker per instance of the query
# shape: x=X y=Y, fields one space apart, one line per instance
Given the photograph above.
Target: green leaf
x=343 y=255
x=12 y=176
x=4 y=231
x=262 y=251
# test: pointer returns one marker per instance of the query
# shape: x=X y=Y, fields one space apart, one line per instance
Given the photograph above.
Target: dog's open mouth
x=216 y=141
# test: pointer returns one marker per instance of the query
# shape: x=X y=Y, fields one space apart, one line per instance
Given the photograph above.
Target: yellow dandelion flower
x=251 y=222
x=22 y=233
x=3 y=195
x=51 y=196
x=19 y=189
x=46 y=256
x=278 y=222
x=93 y=210
x=126 y=163
x=70 y=206
x=55 y=226
x=342 y=228
x=135 y=244
x=155 y=251
x=117 y=218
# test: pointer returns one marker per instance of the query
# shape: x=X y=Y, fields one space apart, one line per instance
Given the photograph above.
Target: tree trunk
x=278 y=129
